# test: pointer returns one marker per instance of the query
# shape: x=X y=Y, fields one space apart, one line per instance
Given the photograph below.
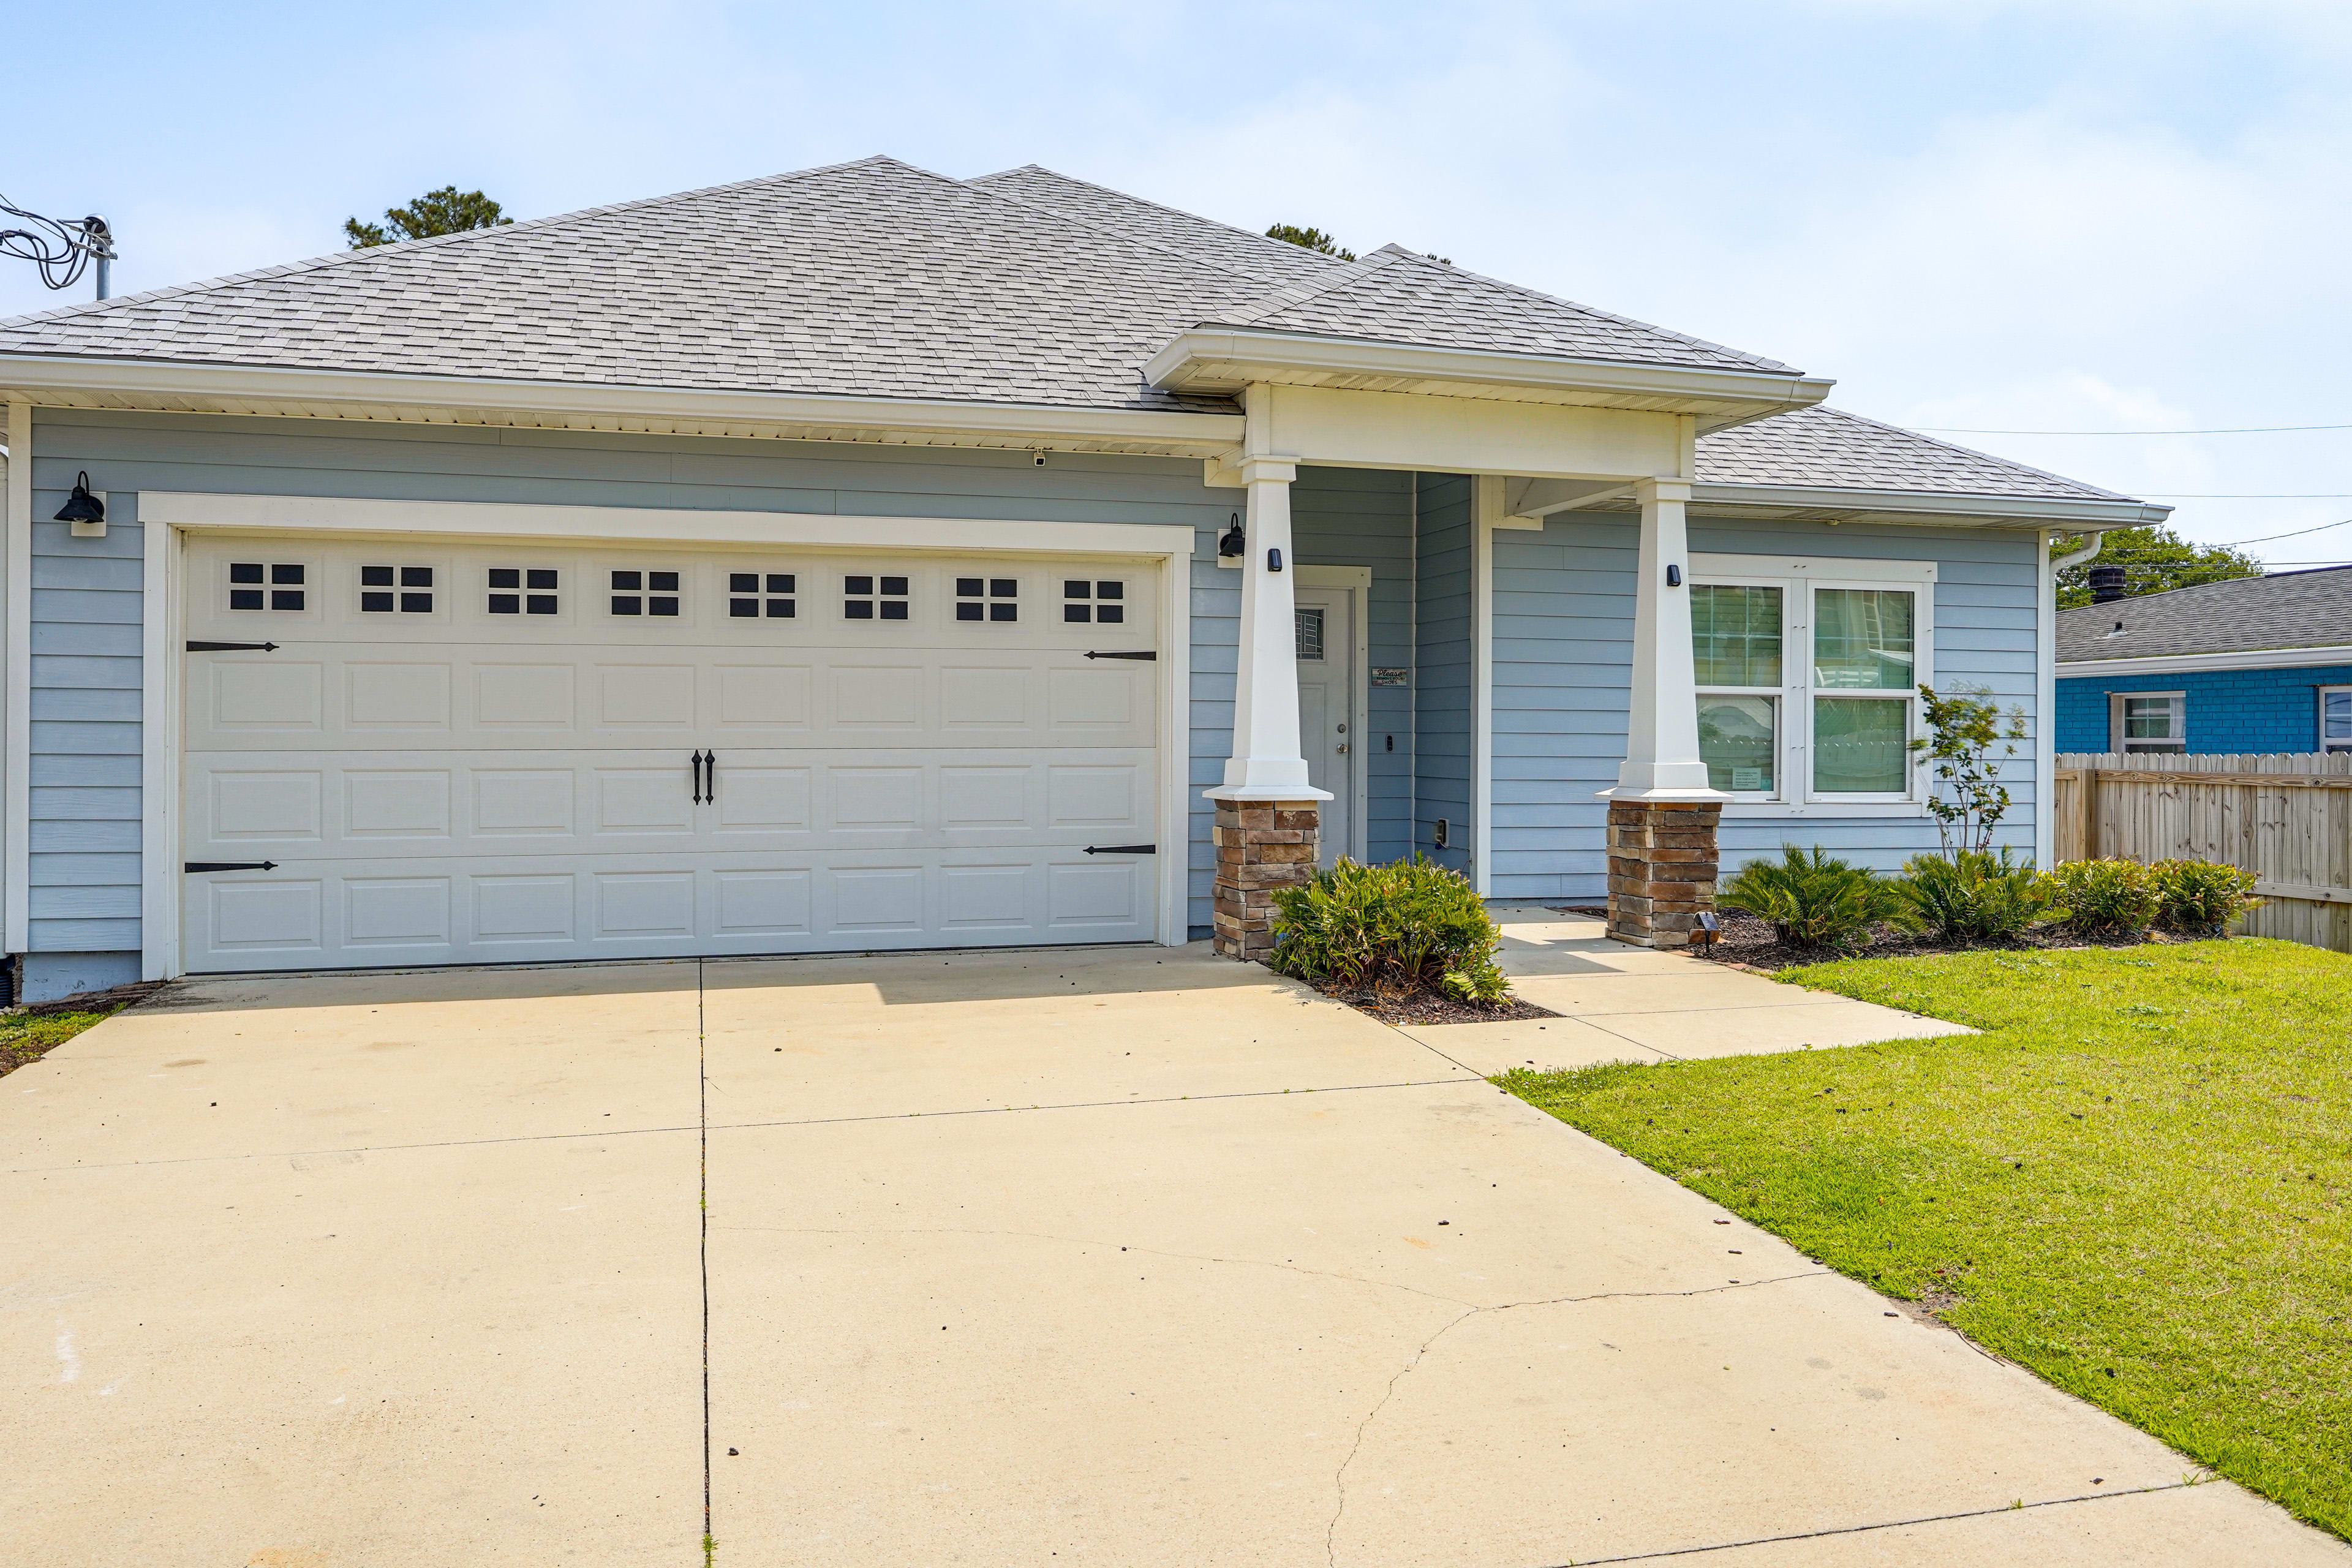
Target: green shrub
x=1413 y=925
x=2106 y=898
x=1973 y=895
x=2201 y=898
x=1815 y=901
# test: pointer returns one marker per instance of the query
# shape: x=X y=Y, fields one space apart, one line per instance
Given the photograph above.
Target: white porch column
x=1266 y=763
x=1662 y=760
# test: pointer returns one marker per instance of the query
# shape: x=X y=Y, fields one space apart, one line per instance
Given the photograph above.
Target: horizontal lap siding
x=1563 y=630
x=1361 y=517
x=1442 y=672
x=2230 y=711
x=86 y=601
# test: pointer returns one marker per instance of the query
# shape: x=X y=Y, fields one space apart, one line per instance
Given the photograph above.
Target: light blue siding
x=88 y=604
x=1362 y=517
x=87 y=609
x=1563 y=671
x=1444 y=670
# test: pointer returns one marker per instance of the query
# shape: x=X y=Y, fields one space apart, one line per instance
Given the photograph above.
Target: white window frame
x=2325 y=693
x=2116 y=740
x=1798 y=579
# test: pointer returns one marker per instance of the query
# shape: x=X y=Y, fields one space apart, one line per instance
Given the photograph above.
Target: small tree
x=445 y=211
x=1963 y=729
x=1313 y=239
x=2156 y=560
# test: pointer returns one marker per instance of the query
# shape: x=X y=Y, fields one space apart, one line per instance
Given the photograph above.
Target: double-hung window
x=1808 y=676
x=2336 y=718
x=2148 y=722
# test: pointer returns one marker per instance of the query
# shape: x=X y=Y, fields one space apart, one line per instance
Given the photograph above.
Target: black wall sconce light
x=1673 y=576
x=86 y=511
x=1273 y=560
x=1233 y=541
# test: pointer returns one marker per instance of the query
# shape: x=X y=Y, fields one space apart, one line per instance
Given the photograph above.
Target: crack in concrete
x=1884 y=1525
x=1340 y=1478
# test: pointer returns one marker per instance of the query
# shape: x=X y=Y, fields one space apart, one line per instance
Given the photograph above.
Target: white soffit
x=64 y=382
x=1224 y=360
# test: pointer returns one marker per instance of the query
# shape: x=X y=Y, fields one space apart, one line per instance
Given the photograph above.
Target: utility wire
x=2241 y=430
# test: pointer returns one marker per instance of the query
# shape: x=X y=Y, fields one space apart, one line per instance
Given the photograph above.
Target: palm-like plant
x=1815 y=901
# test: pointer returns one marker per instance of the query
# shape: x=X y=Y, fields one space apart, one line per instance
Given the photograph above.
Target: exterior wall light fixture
x=1233 y=541
x=86 y=511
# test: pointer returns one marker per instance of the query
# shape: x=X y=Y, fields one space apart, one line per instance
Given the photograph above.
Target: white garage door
x=473 y=753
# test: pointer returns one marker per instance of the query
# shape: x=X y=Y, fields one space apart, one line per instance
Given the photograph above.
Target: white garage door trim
x=168 y=516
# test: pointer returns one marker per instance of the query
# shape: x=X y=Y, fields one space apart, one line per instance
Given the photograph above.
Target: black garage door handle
x=1122 y=848
x=230 y=866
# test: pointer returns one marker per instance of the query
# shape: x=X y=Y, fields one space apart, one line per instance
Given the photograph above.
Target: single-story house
x=861 y=558
x=2249 y=664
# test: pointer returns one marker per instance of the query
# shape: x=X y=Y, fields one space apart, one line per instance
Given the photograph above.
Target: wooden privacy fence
x=2286 y=817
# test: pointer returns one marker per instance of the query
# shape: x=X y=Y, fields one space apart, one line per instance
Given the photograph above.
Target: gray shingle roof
x=1830 y=448
x=2286 y=610
x=872 y=278
x=1399 y=295
x=1274 y=262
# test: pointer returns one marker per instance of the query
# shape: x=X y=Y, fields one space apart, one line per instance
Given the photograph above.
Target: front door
x=1327 y=701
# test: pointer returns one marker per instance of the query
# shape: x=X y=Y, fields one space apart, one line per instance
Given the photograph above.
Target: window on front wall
x=2336 y=718
x=1832 y=723
x=2153 y=721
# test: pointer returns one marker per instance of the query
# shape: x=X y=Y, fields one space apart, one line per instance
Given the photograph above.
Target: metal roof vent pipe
x=2107 y=584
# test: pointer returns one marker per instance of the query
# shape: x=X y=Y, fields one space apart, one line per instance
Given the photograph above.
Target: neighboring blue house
x=2249 y=665
x=863 y=558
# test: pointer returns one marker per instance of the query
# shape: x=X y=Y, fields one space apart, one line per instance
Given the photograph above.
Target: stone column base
x=1262 y=845
x=1662 y=870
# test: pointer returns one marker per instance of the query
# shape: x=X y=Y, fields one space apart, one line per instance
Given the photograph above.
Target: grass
x=2134 y=1182
x=28 y=1038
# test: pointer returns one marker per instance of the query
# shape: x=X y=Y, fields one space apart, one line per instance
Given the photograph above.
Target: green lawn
x=2134 y=1182
x=26 y=1038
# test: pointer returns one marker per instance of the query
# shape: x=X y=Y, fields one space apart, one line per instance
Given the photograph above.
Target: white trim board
x=1820 y=568
x=2192 y=663
x=15 y=884
x=661 y=525
x=160 y=680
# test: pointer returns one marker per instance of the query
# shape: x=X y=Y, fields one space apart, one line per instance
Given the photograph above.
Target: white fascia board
x=2190 y=663
x=1181 y=365
x=1941 y=506
x=76 y=378
x=518 y=519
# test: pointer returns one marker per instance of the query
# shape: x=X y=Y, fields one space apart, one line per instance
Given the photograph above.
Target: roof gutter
x=1222 y=359
x=84 y=382
x=1899 y=506
x=2189 y=663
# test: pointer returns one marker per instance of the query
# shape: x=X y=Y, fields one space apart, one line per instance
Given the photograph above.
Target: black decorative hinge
x=232 y=647
x=230 y=866
x=1122 y=848
x=1147 y=653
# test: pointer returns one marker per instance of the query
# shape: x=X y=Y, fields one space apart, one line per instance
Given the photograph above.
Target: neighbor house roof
x=2284 y=610
x=1828 y=448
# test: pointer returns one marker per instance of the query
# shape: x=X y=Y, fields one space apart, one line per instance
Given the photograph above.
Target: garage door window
x=644 y=592
x=747 y=601
x=506 y=582
x=988 y=598
x=1094 y=599
x=396 y=590
x=284 y=590
x=873 y=598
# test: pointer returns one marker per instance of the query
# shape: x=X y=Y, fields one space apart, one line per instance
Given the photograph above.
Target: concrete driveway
x=1114 y=1256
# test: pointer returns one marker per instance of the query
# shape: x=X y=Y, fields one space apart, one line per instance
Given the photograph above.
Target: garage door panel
x=463 y=784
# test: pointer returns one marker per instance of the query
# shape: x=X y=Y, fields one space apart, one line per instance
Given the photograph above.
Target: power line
x=2299 y=534
x=2241 y=430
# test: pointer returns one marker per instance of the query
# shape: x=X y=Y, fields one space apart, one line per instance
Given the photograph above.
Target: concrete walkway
x=1122 y=1256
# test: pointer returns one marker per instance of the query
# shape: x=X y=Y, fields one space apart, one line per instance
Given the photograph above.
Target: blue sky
x=2066 y=215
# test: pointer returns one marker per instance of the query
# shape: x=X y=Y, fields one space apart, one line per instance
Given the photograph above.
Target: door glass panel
x=1862 y=640
x=1736 y=635
x=1311 y=634
x=1859 y=745
x=1736 y=741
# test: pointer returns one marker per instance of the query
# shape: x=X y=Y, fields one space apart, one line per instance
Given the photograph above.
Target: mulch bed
x=1431 y=1008
x=1749 y=942
x=93 y=1001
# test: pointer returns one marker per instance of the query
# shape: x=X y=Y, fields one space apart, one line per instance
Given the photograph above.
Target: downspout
x=2045 y=695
